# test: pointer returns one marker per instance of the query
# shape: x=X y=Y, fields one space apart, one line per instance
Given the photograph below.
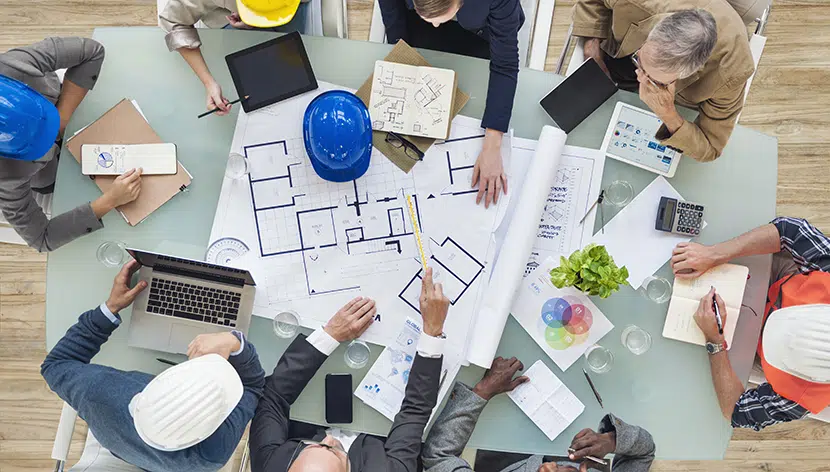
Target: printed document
x=547 y=401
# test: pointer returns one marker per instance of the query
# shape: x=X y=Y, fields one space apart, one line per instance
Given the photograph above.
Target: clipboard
x=125 y=124
x=403 y=53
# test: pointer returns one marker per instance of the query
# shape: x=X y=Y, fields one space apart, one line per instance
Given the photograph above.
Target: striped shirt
x=761 y=407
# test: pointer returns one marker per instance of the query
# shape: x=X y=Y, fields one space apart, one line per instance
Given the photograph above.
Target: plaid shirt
x=761 y=407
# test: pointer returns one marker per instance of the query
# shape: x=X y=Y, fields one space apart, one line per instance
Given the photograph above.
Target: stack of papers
x=547 y=401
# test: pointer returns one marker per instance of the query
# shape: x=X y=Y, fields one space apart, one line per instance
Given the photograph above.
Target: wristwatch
x=713 y=348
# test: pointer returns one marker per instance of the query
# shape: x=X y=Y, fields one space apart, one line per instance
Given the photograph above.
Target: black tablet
x=271 y=72
x=578 y=95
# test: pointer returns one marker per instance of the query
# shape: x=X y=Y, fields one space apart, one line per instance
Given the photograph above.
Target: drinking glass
x=619 y=193
x=656 y=289
x=357 y=354
x=112 y=253
x=599 y=359
x=636 y=339
x=237 y=167
x=286 y=324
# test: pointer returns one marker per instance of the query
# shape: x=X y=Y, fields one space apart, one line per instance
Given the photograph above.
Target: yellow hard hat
x=266 y=13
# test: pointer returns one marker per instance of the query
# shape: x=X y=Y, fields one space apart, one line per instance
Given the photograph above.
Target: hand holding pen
x=711 y=317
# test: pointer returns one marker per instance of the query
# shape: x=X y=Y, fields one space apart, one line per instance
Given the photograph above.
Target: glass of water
x=286 y=324
x=112 y=253
x=619 y=193
x=237 y=167
x=656 y=289
x=636 y=339
x=357 y=354
x=599 y=359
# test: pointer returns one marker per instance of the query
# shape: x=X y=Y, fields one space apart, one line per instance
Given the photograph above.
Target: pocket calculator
x=679 y=217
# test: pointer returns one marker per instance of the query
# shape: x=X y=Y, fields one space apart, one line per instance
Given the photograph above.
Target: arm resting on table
x=761 y=240
x=728 y=387
x=635 y=446
x=504 y=21
x=452 y=431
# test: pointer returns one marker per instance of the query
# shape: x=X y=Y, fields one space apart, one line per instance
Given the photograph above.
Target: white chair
x=751 y=11
x=94 y=458
x=533 y=36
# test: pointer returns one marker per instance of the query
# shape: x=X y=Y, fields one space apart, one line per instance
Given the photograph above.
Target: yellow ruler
x=417 y=230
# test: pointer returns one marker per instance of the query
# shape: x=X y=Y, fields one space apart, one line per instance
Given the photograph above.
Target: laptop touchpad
x=182 y=334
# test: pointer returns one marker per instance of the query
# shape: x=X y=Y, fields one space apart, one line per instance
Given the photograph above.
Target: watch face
x=710 y=348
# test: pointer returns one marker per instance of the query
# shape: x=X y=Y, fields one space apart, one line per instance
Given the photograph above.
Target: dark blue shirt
x=497 y=22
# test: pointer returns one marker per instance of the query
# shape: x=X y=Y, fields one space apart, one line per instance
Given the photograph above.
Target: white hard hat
x=797 y=341
x=186 y=403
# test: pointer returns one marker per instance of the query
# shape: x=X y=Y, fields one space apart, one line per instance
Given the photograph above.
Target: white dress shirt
x=428 y=346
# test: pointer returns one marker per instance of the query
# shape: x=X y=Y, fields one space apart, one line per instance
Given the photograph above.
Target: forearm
x=102 y=205
x=728 y=387
x=250 y=371
x=454 y=426
x=70 y=97
x=762 y=240
x=196 y=61
x=82 y=341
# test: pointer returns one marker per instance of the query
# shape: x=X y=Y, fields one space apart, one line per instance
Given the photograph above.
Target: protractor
x=224 y=250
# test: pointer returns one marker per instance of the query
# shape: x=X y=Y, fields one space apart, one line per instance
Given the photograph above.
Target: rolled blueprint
x=509 y=268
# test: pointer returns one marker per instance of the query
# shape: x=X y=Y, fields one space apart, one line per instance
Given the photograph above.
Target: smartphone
x=339 y=398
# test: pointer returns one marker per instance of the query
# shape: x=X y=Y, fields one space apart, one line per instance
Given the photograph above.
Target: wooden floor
x=790 y=99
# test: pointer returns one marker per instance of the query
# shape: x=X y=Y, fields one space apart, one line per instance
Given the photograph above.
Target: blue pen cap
x=337 y=133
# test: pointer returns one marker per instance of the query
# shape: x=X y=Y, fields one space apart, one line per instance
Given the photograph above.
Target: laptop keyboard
x=193 y=302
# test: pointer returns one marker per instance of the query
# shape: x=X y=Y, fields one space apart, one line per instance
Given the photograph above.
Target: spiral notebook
x=126 y=124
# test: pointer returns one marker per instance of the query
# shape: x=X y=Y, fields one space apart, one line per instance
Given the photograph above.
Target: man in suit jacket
x=488 y=29
x=278 y=446
x=693 y=52
x=633 y=446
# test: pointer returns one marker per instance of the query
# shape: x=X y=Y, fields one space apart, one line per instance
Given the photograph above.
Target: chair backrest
x=749 y=10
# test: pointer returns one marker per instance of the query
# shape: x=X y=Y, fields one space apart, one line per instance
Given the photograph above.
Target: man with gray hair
x=691 y=52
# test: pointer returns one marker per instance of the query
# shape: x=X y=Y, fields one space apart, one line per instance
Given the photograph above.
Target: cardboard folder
x=124 y=124
x=403 y=53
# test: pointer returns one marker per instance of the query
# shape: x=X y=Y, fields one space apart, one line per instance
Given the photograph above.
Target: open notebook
x=729 y=281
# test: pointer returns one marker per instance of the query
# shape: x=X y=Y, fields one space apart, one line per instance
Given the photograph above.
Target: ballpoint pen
x=209 y=112
x=592 y=458
x=594 y=389
x=717 y=312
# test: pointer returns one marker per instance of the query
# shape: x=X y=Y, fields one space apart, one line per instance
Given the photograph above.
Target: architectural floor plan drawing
x=411 y=100
x=313 y=245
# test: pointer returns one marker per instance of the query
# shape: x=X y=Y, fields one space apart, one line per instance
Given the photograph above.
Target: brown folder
x=403 y=53
x=124 y=124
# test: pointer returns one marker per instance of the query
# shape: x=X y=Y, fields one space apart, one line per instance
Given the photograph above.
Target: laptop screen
x=191 y=268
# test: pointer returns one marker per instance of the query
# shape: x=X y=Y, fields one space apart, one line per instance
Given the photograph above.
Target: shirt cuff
x=322 y=341
x=241 y=338
x=109 y=314
x=430 y=346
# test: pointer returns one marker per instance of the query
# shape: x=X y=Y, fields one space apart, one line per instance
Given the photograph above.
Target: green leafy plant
x=591 y=270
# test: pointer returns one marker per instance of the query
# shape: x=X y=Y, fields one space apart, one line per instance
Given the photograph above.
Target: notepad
x=546 y=400
x=115 y=159
x=729 y=281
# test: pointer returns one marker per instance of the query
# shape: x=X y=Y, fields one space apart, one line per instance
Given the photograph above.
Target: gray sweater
x=455 y=424
x=35 y=66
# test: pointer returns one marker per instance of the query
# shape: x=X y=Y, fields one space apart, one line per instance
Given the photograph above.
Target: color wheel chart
x=566 y=322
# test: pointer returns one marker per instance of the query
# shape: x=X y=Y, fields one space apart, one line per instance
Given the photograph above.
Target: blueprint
x=313 y=245
x=576 y=187
x=411 y=100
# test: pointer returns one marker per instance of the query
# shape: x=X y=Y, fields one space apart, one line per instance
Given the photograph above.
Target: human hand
x=590 y=443
x=691 y=260
x=215 y=99
x=352 y=320
x=661 y=101
x=499 y=378
x=488 y=172
x=121 y=295
x=706 y=319
x=214 y=343
x=237 y=23
x=434 y=305
x=591 y=49
x=125 y=188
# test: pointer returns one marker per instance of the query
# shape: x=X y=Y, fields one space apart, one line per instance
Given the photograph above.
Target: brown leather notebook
x=124 y=124
x=403 y=53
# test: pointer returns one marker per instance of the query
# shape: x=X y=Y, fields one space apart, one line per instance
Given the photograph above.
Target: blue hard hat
x=29 y=122
x=337 y=133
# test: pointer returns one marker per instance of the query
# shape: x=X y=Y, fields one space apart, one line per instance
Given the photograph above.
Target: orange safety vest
x=799 y=289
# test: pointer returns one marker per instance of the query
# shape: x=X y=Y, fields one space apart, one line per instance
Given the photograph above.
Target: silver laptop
x=185 y=298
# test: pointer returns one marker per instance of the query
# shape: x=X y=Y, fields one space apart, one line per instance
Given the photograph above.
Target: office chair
x=751 y=11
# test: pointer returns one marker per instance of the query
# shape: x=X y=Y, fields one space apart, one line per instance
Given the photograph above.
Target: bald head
x=314 y=458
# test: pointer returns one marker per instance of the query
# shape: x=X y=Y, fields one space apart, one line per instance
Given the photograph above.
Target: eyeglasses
x=409 y=149
x=304 y=443
x=635 y=58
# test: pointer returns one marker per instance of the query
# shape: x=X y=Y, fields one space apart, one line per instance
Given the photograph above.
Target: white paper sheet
x=384 y=386
x=519 y=240
x=563 y=322
x=547 y=401
x=575 y=188
x=631 y=239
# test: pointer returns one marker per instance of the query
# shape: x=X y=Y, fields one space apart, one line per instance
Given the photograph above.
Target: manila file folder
x=124 y=124
x=729 y=281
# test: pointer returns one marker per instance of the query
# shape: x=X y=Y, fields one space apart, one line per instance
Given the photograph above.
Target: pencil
x=595 y=459
x=210 y=112
x=596 y=394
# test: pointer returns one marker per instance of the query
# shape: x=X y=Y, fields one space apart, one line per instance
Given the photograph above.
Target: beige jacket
x=179 y=16
x=717 y=90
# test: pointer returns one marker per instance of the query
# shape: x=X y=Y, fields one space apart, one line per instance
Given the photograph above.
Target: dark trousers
x=447 y=37
x=623 y=72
